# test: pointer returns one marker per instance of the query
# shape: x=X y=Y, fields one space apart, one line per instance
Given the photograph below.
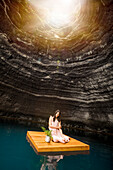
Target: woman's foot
x=63 y=141
x=67 y=140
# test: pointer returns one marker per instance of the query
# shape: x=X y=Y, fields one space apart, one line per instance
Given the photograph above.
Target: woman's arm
x=60 y=128
x=60 y=125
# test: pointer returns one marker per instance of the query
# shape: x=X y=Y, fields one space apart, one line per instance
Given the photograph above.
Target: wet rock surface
x=40 y=74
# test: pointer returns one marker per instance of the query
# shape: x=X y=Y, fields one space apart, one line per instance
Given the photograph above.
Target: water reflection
x=50 y=162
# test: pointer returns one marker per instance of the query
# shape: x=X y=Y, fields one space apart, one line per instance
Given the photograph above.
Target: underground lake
x=16 y=153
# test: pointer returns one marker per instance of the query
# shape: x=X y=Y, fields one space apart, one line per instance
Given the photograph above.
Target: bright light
x=58 y=13
x=58 y=18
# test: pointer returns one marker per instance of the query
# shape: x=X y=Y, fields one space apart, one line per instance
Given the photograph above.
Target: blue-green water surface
x=17 y=154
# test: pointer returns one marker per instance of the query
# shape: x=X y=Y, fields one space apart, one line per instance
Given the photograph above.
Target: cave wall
x=77 y=78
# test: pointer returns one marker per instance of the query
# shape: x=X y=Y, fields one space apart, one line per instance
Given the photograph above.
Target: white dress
x=57 y=134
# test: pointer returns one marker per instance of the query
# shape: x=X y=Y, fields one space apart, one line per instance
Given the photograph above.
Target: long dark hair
x=58 y=118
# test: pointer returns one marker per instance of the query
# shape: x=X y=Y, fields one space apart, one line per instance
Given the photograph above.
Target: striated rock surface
x=74 y=73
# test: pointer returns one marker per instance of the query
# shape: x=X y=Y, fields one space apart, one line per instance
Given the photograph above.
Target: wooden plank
x=42 y=139
x=32 y=141
x=58 y=149
x=42 y=142
x=37 y=139
x=57 y=145
x=36 y=133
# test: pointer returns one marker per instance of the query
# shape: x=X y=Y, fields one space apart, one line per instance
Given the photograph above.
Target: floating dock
x=37 y=141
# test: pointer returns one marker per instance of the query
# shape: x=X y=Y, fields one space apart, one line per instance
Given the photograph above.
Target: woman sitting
x=55 y=127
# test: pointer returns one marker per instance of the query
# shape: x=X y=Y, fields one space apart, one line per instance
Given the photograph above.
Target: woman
x=55 y=127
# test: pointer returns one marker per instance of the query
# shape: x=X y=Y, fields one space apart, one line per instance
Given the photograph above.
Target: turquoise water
x=17 y=154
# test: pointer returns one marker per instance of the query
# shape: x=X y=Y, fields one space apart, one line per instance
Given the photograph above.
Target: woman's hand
x=60 y=127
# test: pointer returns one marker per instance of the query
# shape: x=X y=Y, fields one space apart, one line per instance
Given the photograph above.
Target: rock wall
x=75 y=74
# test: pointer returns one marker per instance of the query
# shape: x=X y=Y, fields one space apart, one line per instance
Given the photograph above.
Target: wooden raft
x=37 y=140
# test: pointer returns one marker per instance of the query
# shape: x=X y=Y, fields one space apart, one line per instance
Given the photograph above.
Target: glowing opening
x=58 y=13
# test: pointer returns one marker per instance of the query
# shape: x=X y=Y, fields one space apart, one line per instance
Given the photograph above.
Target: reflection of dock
x=37 y=141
